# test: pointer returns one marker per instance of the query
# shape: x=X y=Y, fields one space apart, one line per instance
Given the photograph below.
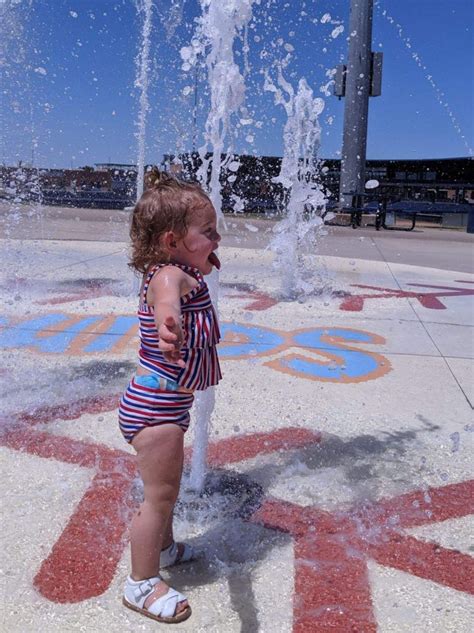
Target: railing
x=88 y=199
x=381 y=207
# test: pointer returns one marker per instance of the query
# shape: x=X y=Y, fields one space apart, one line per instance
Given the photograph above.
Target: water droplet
x=455 y=438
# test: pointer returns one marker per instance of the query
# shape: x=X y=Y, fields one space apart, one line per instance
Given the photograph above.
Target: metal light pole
x=357 y=81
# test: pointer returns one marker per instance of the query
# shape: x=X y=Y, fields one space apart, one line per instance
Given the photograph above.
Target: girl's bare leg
x=168 y=537
x=160 y=456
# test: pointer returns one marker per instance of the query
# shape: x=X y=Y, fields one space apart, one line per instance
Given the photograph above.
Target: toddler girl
x=174 y=238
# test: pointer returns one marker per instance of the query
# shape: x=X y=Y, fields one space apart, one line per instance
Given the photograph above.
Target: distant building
x=248 y=184
x=123 y=178
x=116 y=167
x=431 y=180
x=87 y=187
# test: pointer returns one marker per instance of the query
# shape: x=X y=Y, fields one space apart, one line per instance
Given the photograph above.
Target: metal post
x=357 y=92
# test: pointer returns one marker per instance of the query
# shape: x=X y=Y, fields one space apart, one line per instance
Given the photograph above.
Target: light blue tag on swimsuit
x=155 y=382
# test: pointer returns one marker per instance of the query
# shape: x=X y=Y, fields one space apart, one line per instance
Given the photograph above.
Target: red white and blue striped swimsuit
x=143 y=406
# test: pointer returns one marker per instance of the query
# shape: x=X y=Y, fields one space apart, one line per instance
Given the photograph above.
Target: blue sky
x=69 y=71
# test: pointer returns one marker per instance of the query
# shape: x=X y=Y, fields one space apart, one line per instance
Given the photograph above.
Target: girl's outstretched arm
x=164 y=294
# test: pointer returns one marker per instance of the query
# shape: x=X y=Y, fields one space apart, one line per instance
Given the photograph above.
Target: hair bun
x=154 y=178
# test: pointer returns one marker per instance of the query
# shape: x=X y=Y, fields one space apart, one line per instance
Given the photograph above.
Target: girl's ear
x=169 y=241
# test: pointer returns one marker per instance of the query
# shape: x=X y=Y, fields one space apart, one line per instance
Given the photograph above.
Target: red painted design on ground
x=430 y=300
x=261 y=301
x=332 y=588
x=70 y=411
x=77 y=296
x=237 y=449
x=83 y=561
x=94 y=288
x=355 y=303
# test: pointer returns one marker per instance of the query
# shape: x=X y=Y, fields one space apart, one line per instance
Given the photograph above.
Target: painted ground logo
x=324 y=354
x=83 y=561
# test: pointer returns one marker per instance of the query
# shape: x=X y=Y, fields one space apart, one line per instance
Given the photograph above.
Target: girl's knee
x=163 y=494
x=160 y=463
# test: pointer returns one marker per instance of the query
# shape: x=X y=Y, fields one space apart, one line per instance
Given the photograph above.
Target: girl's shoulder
x=162 y=270
x=184 y=277
x=175 y=272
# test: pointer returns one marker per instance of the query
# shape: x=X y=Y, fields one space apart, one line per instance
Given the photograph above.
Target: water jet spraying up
x=221 y=22
x=304 y=199
x=141 y=82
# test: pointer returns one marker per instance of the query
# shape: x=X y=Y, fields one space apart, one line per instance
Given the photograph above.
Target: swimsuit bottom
x=142 y=406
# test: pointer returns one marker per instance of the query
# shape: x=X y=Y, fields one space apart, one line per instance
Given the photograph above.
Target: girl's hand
x=171 y=341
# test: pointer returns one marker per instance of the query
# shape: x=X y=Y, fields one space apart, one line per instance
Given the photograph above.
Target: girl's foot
x=152 y=597
x=177 y=553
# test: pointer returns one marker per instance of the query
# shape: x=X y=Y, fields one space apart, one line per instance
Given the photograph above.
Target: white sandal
x=171 y=556
x=162 y=609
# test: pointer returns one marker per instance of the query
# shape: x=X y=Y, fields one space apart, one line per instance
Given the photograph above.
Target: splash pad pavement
x=339 y=493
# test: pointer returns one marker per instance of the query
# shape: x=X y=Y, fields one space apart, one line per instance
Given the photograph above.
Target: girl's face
x=197 y=248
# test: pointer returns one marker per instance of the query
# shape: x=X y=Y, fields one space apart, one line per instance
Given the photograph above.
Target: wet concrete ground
x=346 y=421
x=426 y=245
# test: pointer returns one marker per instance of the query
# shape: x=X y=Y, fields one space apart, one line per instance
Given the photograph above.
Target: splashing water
x=440 y=95
x=141 y=82
x=305 y=201
x=173 y=17
x=203 y=408
x=221 y=22
x=456 y=440
x=20 y=185
x=218 y=27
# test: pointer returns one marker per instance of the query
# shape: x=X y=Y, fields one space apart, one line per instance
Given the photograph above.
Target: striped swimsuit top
x=201 y=335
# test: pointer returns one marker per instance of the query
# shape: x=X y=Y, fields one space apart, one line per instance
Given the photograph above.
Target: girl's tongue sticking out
x=214 y=260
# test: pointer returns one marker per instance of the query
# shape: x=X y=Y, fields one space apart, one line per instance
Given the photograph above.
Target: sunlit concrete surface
x=348 y=416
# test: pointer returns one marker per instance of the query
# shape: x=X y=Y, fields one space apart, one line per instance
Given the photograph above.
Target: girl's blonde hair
x=164 y=206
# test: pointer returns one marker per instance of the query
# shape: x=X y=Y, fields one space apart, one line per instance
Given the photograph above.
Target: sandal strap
x=137 y=591
x=170 y=555
x=170 y=552
x=165 y=606
x=141 y=589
